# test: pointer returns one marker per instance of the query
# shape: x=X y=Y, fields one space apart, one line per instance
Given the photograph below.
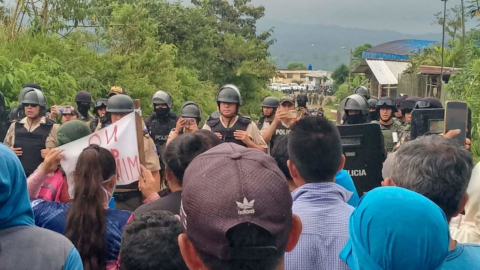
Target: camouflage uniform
x=388 y=133
x=404 y=137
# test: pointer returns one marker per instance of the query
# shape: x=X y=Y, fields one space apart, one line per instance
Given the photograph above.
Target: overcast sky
x=406 y=16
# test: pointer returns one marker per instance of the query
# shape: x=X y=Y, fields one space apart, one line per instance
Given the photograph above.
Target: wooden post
x=139 y=127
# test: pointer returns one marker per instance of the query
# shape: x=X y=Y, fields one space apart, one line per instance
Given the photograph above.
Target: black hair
x=150 y=241
x=315 y=148
x=183 y=149
x=280 y=154
x=247 y=235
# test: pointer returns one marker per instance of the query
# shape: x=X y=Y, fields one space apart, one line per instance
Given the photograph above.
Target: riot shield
x=426 y=121
x=363 y=148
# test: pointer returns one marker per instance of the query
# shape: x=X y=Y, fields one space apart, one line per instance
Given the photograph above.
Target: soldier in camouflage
x=390 y=126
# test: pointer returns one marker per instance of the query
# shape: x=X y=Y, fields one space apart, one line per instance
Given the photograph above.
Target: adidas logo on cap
x=246 y=207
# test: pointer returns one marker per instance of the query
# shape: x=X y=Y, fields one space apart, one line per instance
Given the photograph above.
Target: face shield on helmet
x=356 y=109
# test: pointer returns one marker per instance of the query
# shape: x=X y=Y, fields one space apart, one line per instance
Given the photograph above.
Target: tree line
x=143 y=45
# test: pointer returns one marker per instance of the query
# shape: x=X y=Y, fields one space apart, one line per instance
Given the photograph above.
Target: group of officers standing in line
x=33 y=130
x=392 y=114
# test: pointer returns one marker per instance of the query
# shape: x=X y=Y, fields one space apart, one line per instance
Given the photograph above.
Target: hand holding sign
x=120 y=138
x=52 y=160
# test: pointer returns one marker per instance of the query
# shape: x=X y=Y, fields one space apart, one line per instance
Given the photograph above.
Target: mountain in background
x=321 y=45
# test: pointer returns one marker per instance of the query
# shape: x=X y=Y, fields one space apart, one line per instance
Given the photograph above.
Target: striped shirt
x=325 y=214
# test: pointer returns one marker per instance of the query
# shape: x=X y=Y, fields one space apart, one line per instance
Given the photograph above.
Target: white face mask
x=108 y=193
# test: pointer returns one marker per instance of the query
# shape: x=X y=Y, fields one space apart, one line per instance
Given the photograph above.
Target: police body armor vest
x=280 y=130
x=31 y=143
x=262 y=121
x=227 y=133
x=160 y=129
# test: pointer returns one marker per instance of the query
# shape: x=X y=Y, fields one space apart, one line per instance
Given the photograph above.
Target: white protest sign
x=120 y=138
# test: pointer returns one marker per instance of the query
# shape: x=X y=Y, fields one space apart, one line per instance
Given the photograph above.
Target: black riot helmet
x=271 y=102
x=399 y=100
x=387 y=102
x=229 y=93
x=83 y=97
x=120 y=104
x=408 y=104
x=190 y=109
x=362 y=91
x=99 y=103
x=372 y=103
x=356 y=102
x=428 y=103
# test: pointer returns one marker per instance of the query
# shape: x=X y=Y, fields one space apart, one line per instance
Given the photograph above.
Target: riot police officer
x=282 y=121
x=362 y=91
x=372 y=108
x=101 y=118
x=190 y=117
x=428 y=103
x=232 y=126
x=32 y=137
x=269 y=108
x=17 y=114
x=390 y=126
x=128 y=197
x=406 y=107
x=398 y=102
x=302 y=99
x=84 y=102
x=162 y=121
x=356 y=110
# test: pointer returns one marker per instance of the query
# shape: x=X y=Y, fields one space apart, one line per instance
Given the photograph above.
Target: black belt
x=125 y=196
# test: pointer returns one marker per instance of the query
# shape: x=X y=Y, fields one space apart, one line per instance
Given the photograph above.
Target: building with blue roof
x=397 y=50
x=383 y=64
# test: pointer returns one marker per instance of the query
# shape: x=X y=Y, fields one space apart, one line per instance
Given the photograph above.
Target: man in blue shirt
x=439 y=169
x=315 y=157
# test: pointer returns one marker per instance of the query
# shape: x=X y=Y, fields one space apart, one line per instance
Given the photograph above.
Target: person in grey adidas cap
x=236 y=211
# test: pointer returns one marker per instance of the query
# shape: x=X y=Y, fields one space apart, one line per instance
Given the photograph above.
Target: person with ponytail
x=95 y=230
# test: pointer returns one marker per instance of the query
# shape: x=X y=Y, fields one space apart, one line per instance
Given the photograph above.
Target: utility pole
x=443 y=41
x=463 y=25
x=350 y=70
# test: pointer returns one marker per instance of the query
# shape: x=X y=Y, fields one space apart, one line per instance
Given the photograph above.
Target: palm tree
x=474 y=8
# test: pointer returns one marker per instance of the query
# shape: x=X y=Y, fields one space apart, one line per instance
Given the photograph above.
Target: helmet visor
x=421 y=104
x=385 y=102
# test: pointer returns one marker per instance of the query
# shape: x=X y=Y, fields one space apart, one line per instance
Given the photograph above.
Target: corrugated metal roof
x=434 y=70
x=387 y=72
x=399 y=49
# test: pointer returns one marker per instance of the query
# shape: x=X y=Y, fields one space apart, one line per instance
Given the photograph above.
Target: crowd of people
x=234 y=194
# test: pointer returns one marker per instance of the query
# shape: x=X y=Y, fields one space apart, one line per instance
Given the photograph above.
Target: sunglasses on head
x=30 y=105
